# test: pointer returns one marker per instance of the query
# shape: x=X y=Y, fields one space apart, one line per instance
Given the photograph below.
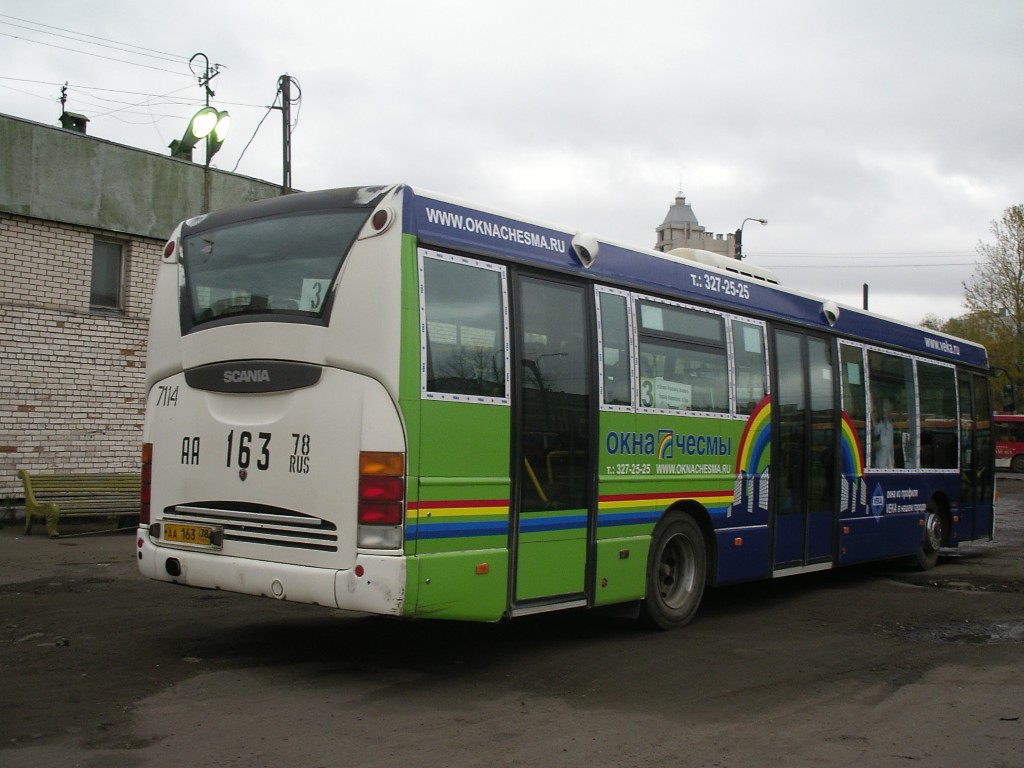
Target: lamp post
x=208 y=123
x=739 y=234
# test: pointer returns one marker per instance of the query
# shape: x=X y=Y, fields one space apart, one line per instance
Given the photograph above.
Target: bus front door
x=551 y=451
x=804 y=454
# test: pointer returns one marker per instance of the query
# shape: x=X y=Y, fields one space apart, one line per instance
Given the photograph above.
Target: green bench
x=79 y=495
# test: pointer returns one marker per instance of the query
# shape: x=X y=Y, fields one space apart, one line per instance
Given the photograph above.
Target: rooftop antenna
x=70 y=120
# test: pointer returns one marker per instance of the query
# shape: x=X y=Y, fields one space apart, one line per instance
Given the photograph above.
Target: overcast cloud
x=879 y=139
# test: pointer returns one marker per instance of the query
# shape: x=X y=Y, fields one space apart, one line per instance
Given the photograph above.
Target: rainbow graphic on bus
x=853 y=490
x=850 y=448
x=752 y=456
x=750 y=489
x=665 y=444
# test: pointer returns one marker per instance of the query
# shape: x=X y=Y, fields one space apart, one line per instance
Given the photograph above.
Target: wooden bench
x=79 y=495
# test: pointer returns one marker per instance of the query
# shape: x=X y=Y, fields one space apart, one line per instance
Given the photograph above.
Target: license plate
x=199 y=535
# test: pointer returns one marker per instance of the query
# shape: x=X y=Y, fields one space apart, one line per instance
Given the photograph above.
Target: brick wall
x=71 y=378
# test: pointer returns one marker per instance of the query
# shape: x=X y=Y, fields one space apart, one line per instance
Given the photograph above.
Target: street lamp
x=739 y=234
x=207 y=124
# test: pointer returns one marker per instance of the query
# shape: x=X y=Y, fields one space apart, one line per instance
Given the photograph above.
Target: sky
x=879 y=139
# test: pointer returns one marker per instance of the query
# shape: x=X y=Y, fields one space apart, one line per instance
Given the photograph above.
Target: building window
x=107 y=258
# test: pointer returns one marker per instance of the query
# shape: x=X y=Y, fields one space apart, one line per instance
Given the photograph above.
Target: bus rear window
x=281 y=266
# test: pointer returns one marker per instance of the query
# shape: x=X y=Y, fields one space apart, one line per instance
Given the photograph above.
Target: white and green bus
x=386 y=400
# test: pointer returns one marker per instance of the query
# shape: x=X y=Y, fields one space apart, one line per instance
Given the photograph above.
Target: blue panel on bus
x=480 y=232
x=744 y=562
x=447 y=224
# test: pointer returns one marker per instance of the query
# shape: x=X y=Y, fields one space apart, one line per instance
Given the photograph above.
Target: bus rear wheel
x=932 y=536
x=1017 y=465
x=676 y=572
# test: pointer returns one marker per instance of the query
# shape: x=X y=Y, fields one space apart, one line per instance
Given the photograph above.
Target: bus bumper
x=375 y=583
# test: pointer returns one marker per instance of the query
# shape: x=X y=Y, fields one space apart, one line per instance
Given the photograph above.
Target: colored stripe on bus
x=450 y=519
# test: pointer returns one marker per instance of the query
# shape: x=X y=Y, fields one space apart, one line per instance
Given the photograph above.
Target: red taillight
x=147 y=483
x=381 y=488
x=381 y=220
x=380 y=513
x=169 y=249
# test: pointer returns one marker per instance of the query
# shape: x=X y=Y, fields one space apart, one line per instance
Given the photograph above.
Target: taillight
x=378 y=224
x=381 y=499
x=145 y=489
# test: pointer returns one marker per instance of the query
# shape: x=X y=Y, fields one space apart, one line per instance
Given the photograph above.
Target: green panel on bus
x=470 y=585
x=457 y=521
x=621 y=569
x=548 y=567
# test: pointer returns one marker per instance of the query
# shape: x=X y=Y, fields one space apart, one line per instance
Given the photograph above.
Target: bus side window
x=690 y=362
x=749 y=359
x=938 y=416
x=893 y=411
x=463 y=329
x=851 y=360
x=615 y=346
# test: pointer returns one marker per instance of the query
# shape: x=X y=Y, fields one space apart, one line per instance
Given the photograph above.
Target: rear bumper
x=375 y=583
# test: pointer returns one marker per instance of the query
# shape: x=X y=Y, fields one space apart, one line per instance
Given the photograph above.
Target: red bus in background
x=1009 y=434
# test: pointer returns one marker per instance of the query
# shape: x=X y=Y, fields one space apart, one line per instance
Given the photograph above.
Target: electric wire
x=258 y=126
x=95 y=55
x=77 y=38
x=869 y=266
x=183 y=100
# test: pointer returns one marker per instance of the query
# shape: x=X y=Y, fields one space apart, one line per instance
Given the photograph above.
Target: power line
x=869 y=266
x=872 y=254
x=95 y=55
x=77 y=86
x=115 y=44
x=26 y=93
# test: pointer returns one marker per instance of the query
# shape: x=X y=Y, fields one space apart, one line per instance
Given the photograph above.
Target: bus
x=1009 y=436
x=386 y=400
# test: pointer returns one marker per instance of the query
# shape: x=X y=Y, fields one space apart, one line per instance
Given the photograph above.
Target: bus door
x=976 y=464
x=804 y=471
x=551 y=451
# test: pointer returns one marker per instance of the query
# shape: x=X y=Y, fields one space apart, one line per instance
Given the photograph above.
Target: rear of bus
x=274 y=450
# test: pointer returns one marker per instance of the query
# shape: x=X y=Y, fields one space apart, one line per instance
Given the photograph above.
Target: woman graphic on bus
x=884 y=458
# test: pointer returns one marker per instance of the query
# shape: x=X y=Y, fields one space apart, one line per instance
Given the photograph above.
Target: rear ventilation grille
x=259 y=524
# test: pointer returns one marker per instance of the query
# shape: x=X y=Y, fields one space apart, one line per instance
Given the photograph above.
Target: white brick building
x=82 y=225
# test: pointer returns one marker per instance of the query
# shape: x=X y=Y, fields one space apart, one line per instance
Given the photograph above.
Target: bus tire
x=1017 y=465
x=676 y=572
x=932 y=537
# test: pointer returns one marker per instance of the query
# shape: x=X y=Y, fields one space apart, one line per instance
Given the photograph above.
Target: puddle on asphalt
x=966 y=632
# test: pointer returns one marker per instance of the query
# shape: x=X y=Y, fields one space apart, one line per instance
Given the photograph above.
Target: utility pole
x=284 y=85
